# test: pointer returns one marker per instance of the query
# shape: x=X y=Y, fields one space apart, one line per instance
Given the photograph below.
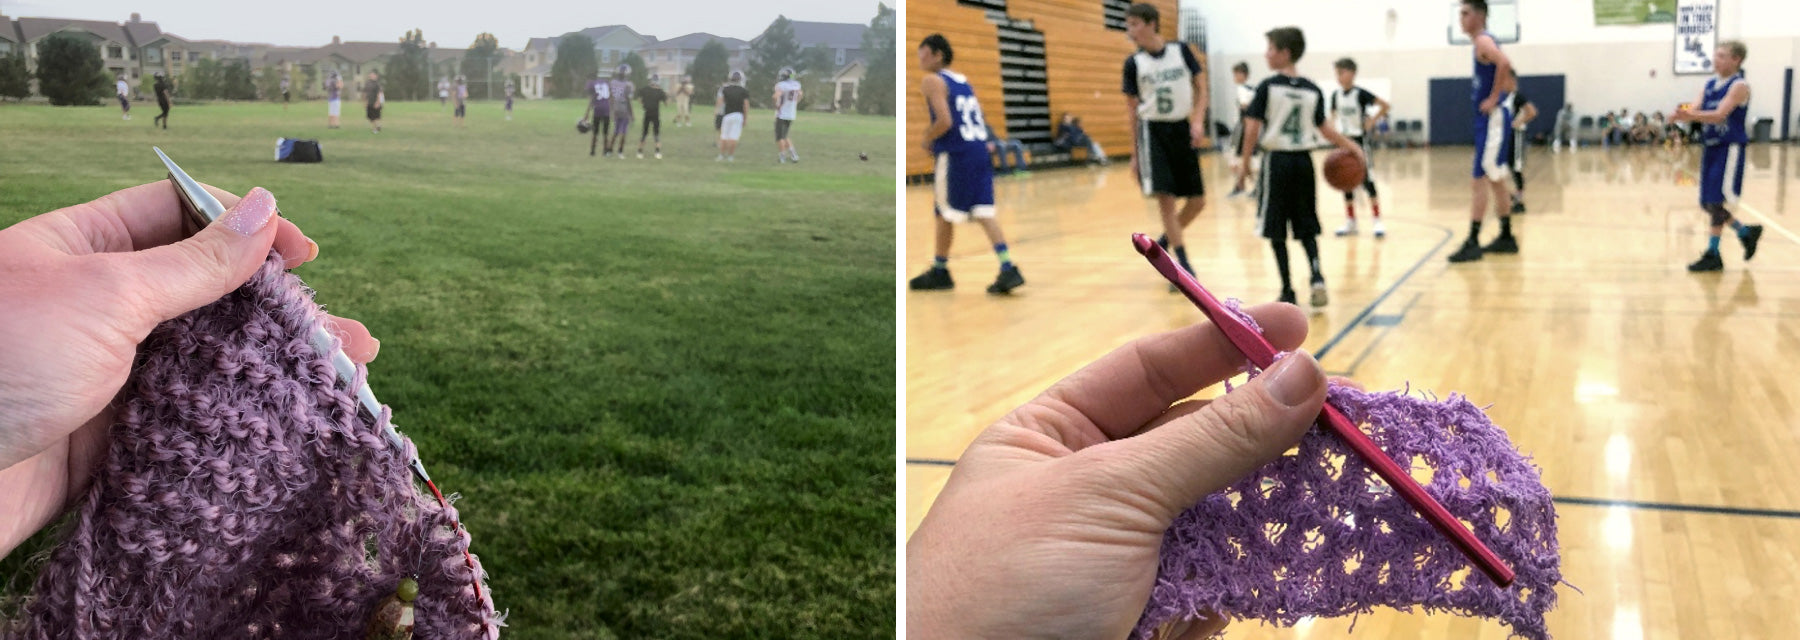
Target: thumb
x=1180 y=462
x=177 y=278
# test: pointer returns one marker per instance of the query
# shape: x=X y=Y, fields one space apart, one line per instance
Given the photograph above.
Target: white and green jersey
x=1163 y=82
x=1292 y=109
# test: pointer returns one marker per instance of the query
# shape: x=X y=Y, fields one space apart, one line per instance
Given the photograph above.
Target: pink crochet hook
x=1257 y=349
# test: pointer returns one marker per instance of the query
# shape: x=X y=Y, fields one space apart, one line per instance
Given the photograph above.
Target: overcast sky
x=450 y=23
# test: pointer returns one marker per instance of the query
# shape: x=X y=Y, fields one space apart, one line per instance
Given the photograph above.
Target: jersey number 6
x=1164 y=104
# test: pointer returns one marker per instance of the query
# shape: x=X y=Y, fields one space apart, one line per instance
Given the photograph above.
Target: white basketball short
x=732 y=127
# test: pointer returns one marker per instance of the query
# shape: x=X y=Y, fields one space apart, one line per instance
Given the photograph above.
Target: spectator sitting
x=999 y=146
x=1069 y=136
x=1643 y=131
x=1674 y=133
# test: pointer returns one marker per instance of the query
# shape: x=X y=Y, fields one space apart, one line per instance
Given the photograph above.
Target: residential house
x=534 y=76
x=844 y=40
x=612 y=43
x=10 y=40
x=117 y=52
x=671 y=58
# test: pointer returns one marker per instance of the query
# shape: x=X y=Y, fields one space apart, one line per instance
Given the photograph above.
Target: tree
x=478 y=64
x=203 y=79
x=409 y=72
x=268 y=83
x=235 y=80
x=70 y=71
x=640 y=72
x=309 y=83
x=15 y=80
x=708 y=71
x=774 y=49
x=875 y=95
x=575 y=65
x=816 y=67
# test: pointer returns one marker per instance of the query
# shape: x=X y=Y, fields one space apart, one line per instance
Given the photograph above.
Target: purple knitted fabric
x=243 y=496
x=1317 y=534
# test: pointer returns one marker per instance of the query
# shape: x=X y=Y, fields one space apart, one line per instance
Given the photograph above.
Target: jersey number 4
x=1290 y=126
x=973 y=127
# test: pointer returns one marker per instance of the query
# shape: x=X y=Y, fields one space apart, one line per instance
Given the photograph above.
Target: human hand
x=83 y=286
x=1197 y=134
x=1052 y=522
x=1487 y=106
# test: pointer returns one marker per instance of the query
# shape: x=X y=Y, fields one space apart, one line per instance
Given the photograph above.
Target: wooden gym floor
x=1659 y=404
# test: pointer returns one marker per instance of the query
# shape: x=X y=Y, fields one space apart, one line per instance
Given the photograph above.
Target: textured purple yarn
x=1316 y=533
x=243 y=496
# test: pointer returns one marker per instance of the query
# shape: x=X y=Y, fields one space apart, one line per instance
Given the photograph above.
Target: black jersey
x=735 y=98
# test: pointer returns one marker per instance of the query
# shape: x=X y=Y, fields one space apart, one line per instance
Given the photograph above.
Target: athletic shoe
x=1469 y=252
x=1319 y=299
x=1348 y=229
x=715 y=158
x=1503 y=244
x=796 y=159
x=1751 y=234
x=1008 y=280
x=1287 y=295
x=659 y=155
x=1163 y=241
x=1380 y=231
x=934 y=279
x=780 y=159
x=1518 y=206
x=640 y=155
x=1708 y=261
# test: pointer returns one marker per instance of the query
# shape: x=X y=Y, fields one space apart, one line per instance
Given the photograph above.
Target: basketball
x=1343 y=171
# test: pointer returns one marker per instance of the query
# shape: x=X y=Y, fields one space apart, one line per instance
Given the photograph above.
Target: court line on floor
x=1759 y=214
x=1364 y=315
x=1570 y=500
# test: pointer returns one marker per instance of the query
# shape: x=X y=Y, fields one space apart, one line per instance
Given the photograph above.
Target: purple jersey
x=332 y=87
x=598 y=92
x=621 y=93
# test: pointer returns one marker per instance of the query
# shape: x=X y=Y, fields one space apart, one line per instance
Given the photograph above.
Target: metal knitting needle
x=201 y=209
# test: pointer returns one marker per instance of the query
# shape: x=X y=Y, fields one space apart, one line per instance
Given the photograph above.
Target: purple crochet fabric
x=1317 y=534
x=243 y=496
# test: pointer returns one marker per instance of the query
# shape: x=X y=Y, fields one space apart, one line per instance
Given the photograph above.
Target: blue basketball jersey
x=1732 y=130
x=1484 y=76
x=968 y=129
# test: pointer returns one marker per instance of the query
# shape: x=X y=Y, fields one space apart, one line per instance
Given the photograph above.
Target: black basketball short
x=781 y=128
x=373 y=112
x=1289 y=195
x=1167 y=162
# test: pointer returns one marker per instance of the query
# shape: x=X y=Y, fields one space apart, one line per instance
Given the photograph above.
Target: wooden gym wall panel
x=1085 y=62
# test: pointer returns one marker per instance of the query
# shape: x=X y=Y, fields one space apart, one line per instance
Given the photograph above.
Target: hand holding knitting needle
x=1051 y=524
x=81 y=287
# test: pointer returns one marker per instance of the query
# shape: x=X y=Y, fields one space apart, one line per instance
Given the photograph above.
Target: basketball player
x=600 y=104
x=1523 y=113
x=653 y=97
x=1240 y=78
x=1289 y=199
x=787 y=104
x=957 y=138
x=733 y=108
x=621 y=110
x=1493 y=120
x=1164 y=85
x=1350 y=104
x=1724 y=104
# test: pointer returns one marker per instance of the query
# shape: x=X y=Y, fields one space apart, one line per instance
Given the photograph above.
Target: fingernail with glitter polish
x=252 y=213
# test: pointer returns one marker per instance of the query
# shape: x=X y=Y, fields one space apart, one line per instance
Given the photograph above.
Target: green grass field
x=665 y=390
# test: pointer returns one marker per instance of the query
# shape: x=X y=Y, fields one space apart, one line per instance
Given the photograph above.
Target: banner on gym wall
x=1633 y=11
x=1696 y=35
